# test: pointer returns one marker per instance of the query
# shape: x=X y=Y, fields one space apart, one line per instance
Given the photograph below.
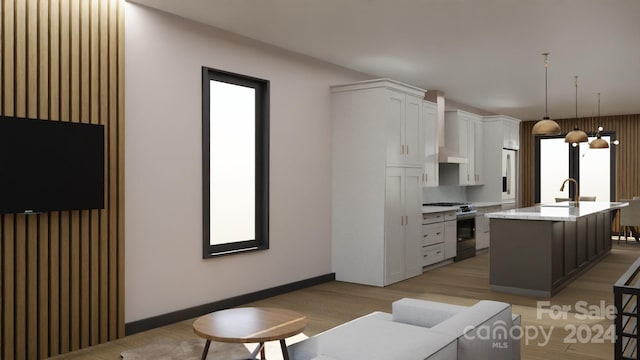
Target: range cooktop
x=463 y=207
x=446 y=204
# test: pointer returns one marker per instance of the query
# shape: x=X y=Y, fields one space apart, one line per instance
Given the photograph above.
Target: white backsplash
x=444 y=193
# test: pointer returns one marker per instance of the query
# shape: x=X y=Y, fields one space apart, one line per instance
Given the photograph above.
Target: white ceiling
x=482 y=53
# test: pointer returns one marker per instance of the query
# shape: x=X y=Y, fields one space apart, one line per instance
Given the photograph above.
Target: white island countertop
x=563 y=211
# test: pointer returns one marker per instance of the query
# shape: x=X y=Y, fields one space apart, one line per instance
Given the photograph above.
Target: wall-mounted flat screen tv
x=48 y=165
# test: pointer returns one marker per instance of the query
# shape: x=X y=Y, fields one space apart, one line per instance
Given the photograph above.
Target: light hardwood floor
x=462 y=283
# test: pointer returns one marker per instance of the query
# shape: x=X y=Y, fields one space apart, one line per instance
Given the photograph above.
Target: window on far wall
x=594 y=169
x=235 y=163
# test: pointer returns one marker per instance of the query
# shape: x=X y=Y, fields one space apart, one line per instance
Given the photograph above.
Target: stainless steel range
x=465 y=228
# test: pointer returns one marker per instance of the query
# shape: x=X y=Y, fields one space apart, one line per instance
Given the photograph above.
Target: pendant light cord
x=576 y=97
x=598 y=104
x=546 y=66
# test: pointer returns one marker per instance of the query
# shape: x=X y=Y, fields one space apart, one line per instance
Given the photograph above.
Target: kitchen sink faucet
x=576 y=196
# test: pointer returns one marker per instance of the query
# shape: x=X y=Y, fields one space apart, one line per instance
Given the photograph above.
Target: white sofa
x=420 y=329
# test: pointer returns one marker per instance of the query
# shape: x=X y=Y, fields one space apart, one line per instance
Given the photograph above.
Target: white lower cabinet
x=450 y=239
x=483 y=232
x=402 y=224
x=432 y=254
x=438 y=237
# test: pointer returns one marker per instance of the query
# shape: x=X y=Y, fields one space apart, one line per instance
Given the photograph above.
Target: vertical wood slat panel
x=120 y=168
x=74 y=106
x=20 y=82
x=95 y=218
x=8 y=60
x=31 y=97
x=65 y=235
x=43 y=249
x=85 y=299
x=9 y=288
x=8 y=319
x=2 y=239
x=61 y=273
x=54 y=284
x=104 y=225
x=112 y=149
x=54 y=222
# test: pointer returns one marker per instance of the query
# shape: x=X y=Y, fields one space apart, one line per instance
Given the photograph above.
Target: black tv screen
x=50 y=165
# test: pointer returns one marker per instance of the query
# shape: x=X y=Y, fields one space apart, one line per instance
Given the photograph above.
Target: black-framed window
x=235 y=163
x=593 y=169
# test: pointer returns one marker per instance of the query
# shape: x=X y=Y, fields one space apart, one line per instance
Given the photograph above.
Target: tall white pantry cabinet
x=381 y=138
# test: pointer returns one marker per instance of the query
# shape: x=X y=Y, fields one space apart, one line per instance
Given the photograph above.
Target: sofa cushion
x=423 y=312
x=376 y=337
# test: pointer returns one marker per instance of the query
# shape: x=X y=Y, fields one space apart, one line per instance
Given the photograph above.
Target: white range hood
x=445 y=154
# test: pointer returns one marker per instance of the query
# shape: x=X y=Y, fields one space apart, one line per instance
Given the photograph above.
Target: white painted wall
x=164 y=269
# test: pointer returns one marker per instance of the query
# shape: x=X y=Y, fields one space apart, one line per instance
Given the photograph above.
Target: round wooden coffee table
x=250 y=325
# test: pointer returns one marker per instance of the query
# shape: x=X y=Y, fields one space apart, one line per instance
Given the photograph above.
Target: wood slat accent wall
x=62 y=273
x=627 y=128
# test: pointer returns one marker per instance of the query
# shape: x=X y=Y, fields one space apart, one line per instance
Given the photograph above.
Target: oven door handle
x=464 y=216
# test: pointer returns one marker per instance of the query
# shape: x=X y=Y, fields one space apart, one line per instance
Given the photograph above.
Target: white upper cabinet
x=403 y=129
x=430 y=133
x=511 y=129
x=477 y=177
x=499 y=132
x=463 y=131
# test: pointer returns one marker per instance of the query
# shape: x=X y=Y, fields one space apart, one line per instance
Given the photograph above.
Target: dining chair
x=630 y=218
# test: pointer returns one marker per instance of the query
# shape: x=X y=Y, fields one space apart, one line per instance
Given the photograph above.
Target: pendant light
x=546 y=126
x=576 y=135
x=599 y=142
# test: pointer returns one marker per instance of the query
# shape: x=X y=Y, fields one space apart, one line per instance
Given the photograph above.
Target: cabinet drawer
x=432 y=234
x=430 y=218
x=432 y=254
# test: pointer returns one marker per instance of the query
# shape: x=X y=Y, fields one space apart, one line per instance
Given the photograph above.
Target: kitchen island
x=540 y=249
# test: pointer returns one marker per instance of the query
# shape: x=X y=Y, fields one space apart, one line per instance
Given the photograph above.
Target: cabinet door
x=450 y=232
x=394 y=129
x=413 y=139
x=482 y=232
x=394 y=219
x=430 y=133
x=478 y=152
x=514 y=135
x=403 y=224
x=413 y=223
x=463 y=147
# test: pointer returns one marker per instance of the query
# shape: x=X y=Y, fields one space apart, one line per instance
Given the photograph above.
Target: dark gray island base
x=539 y=250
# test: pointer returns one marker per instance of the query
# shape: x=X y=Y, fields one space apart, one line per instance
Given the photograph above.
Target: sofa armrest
x=482 y=331
x=422 y=312
x=376 y=337
x=515 y=336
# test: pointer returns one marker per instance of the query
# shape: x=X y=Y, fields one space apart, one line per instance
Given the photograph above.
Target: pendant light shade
x=576 y=135
x=546 y=126
x=599 y=143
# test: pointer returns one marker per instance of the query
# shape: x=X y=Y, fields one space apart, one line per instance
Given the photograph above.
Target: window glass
x=235 y=163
